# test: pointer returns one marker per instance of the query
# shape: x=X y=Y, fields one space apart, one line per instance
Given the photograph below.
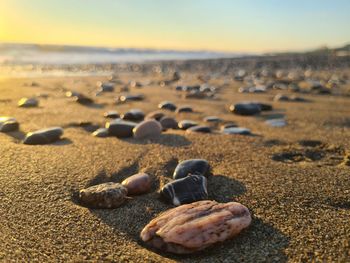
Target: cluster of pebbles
x=193 y=225
x=196 y=222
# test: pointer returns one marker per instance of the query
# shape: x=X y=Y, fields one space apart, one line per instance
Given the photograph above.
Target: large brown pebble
x=137 y=184
x=107 y=195
x=196 y=226
x=148 y=128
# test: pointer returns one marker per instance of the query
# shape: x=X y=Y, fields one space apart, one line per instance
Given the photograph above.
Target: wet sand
x=299 y=195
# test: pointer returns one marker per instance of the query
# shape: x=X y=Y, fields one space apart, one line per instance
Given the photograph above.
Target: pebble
x=155 y=115
x=168 y=123
x=130 y=97
x=193 y=227
x=229 y=125
x=236 y=130
x=192 y=166
x=184 y=109
x=8 y=124
x=107 y=195
x=120 y=128
x=167 y=105
x=186 y=190
x=147 y=128
x=28 y=102
x=111 y=115
x=82 y=99
x=43 y=136
x=137 y=184
x=101 y=133
x=258 y=89
x=133 y=115
x=212 y=119
x=276 y=122
x=185 y=124
x=105 y=86
x=245 y=108
x=281 y=97
x=199 y=128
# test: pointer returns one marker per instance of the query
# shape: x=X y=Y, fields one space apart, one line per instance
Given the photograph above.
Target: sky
x=218 y=25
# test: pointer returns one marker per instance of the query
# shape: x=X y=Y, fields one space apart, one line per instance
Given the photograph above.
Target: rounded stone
x=228 y=125
x=184 y=109
x=111 y=114
x=155 y=115
x=107 y=195
x=212 y=119
x=168 y=123
x=186 y=190
x=28 y=102
x=193 y=227
x=137 y=184
x=281 y=97
x=199 y=129
x=236 y=130
x=167 y=105
x=133 y=115
x=120 y=128
x=101 y=133
x=130 y=97
x=105 y=86
x=276 y=122
x=8 y=124
x=82 y=99
x=245 y=108
x=185 y=124
x=192 y=166
x=43 y=136
x=148 y=128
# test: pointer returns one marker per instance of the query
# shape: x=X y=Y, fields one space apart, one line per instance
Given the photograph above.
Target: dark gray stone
x=167 y=105
x=186 y=190
x=120 y=128
x=245 y=108
x=43 y=136
x=192 y=166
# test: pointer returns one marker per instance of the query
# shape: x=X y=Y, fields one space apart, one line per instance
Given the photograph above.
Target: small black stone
x=133 y=115
x=106 y=87
x=186 y=190
x=192 y=166
x=8 y=124
x=185 y=124
x=167 y=105
x=111 y=114
x=212 y=119
x=199 y=128
x=82 y=99
x=245 y=108
x=130 y=97
x=184 y=109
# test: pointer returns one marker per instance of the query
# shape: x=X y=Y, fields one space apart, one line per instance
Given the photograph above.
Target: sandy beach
x=293 y=178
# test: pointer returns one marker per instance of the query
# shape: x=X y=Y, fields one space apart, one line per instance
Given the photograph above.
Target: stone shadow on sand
x=18 y=136
x=171 y=140
x=222 y=188
x=86 y=126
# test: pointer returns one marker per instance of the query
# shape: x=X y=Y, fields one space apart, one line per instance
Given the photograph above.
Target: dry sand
x=301 y=209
